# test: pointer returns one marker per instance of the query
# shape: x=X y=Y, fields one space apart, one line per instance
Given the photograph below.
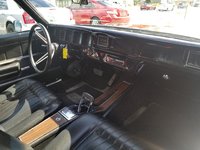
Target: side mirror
x=17 y=25
x=81 y=2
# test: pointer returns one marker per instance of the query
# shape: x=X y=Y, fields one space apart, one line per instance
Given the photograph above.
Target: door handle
x=9 y=69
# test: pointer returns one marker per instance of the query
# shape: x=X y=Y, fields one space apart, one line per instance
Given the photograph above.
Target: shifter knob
x=85 y=98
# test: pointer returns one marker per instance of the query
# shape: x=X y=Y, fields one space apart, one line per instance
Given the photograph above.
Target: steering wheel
x=38 y=30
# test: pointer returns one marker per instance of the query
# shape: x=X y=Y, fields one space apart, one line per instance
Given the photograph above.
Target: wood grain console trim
x=43 y=129
x=112 y=96
x=99 y=100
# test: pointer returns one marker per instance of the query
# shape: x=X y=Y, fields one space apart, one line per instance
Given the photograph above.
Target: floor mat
x=164 y=127
x=63 y=85
x=75 y=95
x=70 y=91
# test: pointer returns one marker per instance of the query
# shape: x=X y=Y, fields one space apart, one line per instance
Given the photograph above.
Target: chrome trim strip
x=55 y=82
x=25 y=68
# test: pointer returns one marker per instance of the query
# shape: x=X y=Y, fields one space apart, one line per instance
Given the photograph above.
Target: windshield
x=171 y=17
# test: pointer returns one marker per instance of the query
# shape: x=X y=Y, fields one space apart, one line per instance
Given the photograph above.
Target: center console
x=48 y=127
x=58 y=120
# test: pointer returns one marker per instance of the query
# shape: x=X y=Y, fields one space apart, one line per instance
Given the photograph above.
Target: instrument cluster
x=94 y=45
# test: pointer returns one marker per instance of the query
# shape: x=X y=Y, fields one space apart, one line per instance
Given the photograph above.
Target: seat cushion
x=8 y=142
x=90 y=132
x=24 y=104
x=60 y=142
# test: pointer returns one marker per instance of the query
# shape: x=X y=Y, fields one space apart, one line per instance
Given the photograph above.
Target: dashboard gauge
x=103 y=41
x=77 y=38
x=62 y=35
x=87 y=40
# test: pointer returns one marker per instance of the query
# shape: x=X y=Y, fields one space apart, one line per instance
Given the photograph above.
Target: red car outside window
x=99 y=12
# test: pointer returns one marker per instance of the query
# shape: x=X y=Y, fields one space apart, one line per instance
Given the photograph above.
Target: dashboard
x=94 y=45
x=124 y=49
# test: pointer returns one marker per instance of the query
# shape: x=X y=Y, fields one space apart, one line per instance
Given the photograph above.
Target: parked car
x=147 y=6
x=10 y=12
x=100 y=12
x=166 y=6
x=196 y=3
x=182 y=5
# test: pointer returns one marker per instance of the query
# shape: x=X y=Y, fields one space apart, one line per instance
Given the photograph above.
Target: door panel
x=10 y=51
x=14 y=58
x=9 y=68
x=15 y=61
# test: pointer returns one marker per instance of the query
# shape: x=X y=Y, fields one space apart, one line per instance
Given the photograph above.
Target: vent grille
x=193 y=59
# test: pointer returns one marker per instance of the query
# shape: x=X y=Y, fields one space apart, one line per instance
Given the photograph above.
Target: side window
x=3 y=5
x=10 y=21
x=75 y=6
x=89 y=5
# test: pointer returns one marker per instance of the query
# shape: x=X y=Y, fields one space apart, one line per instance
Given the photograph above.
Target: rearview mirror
x=81 y=2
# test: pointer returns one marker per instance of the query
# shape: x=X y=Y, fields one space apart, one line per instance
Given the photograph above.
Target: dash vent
x=193 y=59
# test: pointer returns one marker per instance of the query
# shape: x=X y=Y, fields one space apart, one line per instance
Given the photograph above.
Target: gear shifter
x=86 y=99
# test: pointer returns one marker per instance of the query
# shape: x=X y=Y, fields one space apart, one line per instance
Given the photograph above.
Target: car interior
x=89 y=87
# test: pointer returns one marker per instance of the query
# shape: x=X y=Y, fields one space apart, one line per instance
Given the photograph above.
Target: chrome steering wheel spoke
x=41 y=59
